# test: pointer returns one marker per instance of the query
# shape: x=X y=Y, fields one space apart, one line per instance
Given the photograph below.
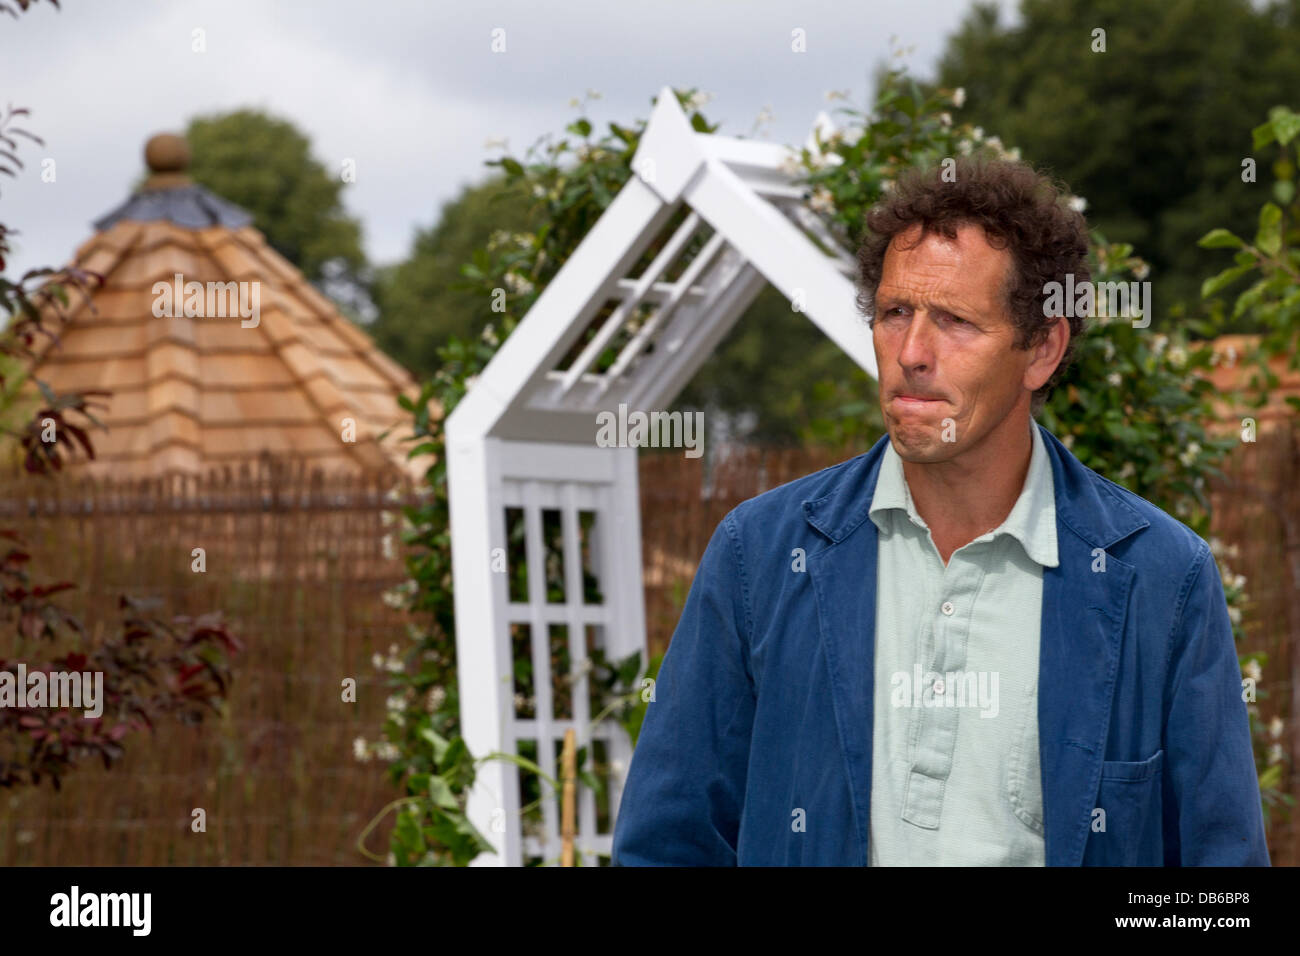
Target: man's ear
x=1047 y=354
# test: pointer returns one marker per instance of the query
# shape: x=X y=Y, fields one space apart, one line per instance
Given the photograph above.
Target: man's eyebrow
x=892 y=299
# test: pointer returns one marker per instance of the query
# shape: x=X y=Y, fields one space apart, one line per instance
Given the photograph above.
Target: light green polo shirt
x=954 y=761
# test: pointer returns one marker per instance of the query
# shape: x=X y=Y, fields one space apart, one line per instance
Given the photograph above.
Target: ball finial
x=167 y=153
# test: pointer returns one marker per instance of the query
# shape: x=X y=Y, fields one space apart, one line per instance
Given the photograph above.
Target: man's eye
x=957 y=320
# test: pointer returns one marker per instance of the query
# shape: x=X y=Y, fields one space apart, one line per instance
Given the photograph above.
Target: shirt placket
x=948 y=615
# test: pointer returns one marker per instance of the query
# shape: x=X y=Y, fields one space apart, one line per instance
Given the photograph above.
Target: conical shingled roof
x=193 y=393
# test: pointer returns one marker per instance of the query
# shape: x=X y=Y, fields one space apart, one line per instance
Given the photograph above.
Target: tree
x=1152 y=131
x=265 y=165
x=425 y=300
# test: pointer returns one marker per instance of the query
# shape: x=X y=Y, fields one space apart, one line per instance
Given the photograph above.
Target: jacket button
x=947 y=607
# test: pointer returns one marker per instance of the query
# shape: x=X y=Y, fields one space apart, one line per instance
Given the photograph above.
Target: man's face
x=944 y=344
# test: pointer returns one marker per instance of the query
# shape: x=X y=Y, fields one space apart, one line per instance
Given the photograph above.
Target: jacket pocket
x=1024 y=777
x=1130 y=795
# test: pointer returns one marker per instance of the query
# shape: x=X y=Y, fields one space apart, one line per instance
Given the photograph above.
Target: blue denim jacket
x=763 y=705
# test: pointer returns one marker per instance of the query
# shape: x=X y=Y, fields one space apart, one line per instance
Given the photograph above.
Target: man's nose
x=917 y=347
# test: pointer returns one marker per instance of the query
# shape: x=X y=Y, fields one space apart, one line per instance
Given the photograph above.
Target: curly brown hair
x=1020 y=210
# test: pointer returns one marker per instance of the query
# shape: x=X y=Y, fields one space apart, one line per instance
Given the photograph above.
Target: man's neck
x=973 y=493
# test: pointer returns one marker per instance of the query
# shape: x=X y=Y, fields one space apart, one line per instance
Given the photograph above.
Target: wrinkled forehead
x=930 y=268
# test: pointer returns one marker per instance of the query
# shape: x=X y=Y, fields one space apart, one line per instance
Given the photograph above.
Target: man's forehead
x=967 y=265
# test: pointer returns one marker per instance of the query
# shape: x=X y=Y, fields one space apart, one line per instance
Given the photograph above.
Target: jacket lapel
x=843 y=578
x=1085 y=601
x=1081 y=628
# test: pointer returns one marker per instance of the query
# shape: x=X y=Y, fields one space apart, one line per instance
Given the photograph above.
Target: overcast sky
x=410 y=89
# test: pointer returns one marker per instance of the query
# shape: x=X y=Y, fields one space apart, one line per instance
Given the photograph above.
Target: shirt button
x=947 y=607
x=938 y=687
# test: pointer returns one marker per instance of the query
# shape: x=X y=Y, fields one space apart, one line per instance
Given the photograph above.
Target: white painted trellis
x=523 y=440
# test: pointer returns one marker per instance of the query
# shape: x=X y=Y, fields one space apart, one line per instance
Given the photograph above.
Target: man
x=962 y=647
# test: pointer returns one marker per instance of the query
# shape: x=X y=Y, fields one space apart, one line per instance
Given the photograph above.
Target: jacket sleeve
x=685 y=788
x=1212 y=812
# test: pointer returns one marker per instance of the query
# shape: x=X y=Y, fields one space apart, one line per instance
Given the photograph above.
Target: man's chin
x=920 y=442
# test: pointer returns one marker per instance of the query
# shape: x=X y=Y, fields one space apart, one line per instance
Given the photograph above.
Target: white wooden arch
x=522 y=446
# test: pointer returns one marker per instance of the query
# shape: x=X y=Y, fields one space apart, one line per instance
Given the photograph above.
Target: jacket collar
x=1083 y=504
x=1085 y=601
x=1031 y=521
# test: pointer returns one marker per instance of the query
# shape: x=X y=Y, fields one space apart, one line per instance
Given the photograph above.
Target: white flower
x=1275 y=727
x=469 y=382
x=387 y=751
x=1141 y=271
x=1239 y=581
x=437 y=697
x=886 y=185
x=1108 y=349
x=378 y=661
x=1275 y=753
x=994 y=143
x=395 y=703
x=394 y=598
x=518 y=284
x=1189 y=454
x=959 y=97
x=698 y=99
x=1159 y=344
x=1234 y=615
x=1127 y=471
x=521 y=702
x=1252 y=670
x=1014 y=153
x=617 y=767
x=1078 y=203
x=977 y=133
x=386 y=518
x=1230 y=355
x=387 y=542
x=1114 y=379
x=822 y=200
x=964 y=146
x=1178 y=356
x=1068 y=441
x=360 y=751
x=538 y=191
x=945 y=119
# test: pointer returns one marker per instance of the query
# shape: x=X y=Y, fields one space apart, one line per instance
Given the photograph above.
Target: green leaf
x=437 y=742
x=441 y=793
x=1262 y=134
x=1284 y=191
x=1249 y=298
x=1269 y=238
x=1219 y=239
x=512 y=166
x=1286 y=124
x=1215 y=283
x=580 y=127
